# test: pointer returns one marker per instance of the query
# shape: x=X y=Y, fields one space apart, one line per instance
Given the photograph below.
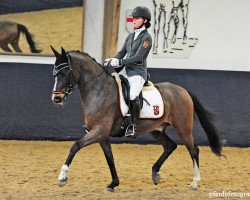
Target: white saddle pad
x=154 y=110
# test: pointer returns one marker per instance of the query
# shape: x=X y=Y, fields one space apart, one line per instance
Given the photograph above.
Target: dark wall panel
x=26 y=107
x=28 y=113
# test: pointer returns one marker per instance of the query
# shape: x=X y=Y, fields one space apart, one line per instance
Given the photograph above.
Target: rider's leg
x=136 y=85
x=135 y=116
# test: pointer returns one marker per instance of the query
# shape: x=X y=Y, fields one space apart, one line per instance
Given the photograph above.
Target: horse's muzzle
x=58 y=98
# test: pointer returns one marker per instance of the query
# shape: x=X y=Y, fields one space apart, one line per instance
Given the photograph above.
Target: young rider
x=136 y=48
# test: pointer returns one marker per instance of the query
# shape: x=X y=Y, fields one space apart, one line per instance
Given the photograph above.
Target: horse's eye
x=63 y=73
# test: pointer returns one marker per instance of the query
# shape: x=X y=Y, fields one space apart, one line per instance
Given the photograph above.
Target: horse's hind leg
x=15 y=44
x=193 y=149
x=5 y=48
x=169 y=146
x=106 y=147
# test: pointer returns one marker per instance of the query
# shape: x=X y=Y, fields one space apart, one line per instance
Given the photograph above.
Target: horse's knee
x=173 y=146
x=75 y=148
x=168 y=149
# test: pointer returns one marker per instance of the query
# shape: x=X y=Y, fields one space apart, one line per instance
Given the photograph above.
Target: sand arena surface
x=29 y=170
x=56 y=27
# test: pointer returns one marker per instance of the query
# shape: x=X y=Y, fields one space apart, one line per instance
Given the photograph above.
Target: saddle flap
x=125 y=90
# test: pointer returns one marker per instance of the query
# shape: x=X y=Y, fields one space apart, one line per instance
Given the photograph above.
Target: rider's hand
x=105 y=64
x=114 y=62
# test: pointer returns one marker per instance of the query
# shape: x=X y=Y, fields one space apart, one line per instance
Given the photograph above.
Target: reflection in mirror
x=31 y=26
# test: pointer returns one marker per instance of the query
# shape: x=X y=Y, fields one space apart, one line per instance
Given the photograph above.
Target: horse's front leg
x=89 y=138
x=106 y=147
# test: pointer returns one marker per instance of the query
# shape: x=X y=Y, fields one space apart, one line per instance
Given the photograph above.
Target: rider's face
x=138 y=21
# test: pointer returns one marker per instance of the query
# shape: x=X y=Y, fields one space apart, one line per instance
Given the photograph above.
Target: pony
x=10 y=34
x=102 y=118
x=169 y=9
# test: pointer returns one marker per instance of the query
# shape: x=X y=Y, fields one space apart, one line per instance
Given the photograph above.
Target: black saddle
x=126 y=91
x=125 y=85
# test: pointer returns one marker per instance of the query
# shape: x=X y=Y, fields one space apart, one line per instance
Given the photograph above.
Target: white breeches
x=136 y=83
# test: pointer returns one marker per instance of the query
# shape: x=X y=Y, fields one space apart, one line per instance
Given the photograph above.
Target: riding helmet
x=143 y=12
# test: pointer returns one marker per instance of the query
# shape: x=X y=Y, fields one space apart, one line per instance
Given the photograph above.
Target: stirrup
x=129 y=132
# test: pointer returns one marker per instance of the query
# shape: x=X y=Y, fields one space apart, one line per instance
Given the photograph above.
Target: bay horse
x=169 y=9
x=102 y=117
x=10 y=34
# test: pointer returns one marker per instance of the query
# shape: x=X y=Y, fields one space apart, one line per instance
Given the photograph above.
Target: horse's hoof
x=62 y=182
x=156 y=178
x=193 y=186
x=108 y=189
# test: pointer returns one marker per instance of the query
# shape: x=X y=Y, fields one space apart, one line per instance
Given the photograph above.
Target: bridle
x=73 y=84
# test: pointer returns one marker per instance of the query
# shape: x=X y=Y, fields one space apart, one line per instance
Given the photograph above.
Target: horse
x=170 y=10
x=10 y=34
x=102 y=118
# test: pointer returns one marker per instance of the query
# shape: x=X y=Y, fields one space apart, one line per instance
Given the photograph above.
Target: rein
x=99 y=75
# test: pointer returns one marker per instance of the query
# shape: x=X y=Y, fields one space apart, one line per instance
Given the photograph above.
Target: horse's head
x=64 y=77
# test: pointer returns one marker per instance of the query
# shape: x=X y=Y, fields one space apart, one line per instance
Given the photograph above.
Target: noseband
x=72 y=84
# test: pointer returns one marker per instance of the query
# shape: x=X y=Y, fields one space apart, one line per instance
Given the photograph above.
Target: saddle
x=150 y=99
x=125 y=85
x=126 y=91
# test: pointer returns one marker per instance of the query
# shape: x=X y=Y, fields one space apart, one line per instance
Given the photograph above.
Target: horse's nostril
x=57 y=99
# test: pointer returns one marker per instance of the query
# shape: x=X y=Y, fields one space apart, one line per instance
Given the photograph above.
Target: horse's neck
x=94 y=81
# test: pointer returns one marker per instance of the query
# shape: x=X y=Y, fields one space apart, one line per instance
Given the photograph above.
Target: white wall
x=222 y=28
x=93 y=28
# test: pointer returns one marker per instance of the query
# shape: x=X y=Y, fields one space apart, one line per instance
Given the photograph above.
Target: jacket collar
x=140 y=35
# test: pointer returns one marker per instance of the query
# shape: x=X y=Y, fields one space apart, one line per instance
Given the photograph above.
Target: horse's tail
x=29 y=37
x=206 y=120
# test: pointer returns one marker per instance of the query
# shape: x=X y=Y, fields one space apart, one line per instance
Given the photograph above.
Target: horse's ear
x=55 y=52
x=63 y=52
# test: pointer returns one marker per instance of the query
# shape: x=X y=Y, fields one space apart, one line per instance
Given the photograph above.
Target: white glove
x=114 y=62
x=106 y=62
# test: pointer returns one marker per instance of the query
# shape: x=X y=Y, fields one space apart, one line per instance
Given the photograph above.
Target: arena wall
x=27 y=112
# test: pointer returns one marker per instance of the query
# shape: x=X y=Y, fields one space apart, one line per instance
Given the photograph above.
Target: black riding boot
x=135 y=116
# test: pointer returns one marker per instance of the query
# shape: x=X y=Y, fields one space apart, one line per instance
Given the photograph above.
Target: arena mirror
x=31 y=26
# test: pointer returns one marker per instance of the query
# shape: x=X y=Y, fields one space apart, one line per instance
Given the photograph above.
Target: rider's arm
x=143 y=49
x=123 y=50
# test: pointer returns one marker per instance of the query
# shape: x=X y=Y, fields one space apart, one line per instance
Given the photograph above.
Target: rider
x=137 y=46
